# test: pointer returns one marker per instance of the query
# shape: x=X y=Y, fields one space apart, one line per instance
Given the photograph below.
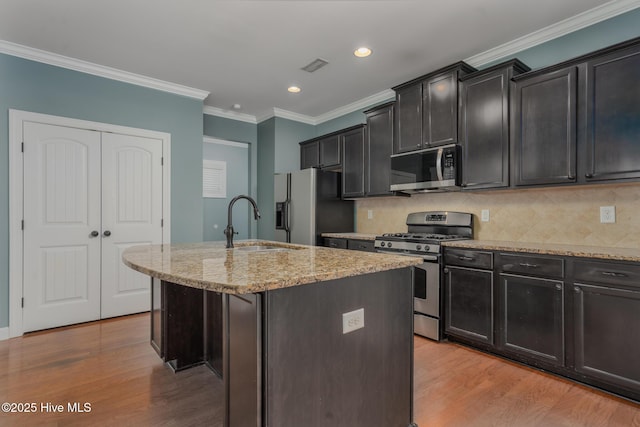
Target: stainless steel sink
x=261 y=248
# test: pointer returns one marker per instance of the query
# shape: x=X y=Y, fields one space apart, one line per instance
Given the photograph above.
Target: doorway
x=87 y=191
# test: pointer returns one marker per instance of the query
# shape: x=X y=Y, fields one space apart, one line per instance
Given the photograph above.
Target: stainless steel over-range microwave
x=431 y=169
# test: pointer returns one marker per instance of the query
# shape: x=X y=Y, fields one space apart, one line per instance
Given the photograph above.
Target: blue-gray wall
x=266 y=169
x=239 y=131
x=215 y=212
x=288 y=134
x=32 y=86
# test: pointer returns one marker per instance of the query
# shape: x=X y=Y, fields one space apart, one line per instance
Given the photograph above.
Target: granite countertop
x=618 y=254
x=210 y=266
x=358 y=236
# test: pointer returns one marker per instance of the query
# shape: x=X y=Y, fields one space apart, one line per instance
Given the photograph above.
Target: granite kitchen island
x=300 y=335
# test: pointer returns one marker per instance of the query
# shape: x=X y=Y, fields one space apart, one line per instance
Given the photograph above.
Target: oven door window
x=426 y=289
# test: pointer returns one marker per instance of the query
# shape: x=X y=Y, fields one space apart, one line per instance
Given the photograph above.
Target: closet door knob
x=95 y=233
x=107 y=233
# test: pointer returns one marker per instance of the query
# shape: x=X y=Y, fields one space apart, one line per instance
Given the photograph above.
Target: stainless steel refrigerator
x=308 y=203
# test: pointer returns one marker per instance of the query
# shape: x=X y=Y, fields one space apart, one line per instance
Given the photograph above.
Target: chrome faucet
x=229 y=230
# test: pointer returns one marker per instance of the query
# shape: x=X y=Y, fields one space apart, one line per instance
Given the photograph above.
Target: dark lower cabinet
x=577 y=317
x=606 y=327
x=469 y=304
x=531 y=318
x=177 y=328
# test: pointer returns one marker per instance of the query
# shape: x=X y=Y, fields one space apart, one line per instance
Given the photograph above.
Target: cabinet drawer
x=532 y=265
x=335 y=243
x=360 y=245
x=607 y=272
x=468 y=258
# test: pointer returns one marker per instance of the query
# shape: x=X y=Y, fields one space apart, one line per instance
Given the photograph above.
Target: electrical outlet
x=485 y=215
x=352 y=320
x=369 y=214
x=607 y=214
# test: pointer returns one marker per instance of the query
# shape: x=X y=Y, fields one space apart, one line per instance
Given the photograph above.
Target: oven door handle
x=424 y=257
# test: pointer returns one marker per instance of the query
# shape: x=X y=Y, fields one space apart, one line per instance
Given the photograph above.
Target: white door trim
x=16 y=186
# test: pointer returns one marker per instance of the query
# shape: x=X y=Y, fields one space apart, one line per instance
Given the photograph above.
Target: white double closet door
x=88 y=195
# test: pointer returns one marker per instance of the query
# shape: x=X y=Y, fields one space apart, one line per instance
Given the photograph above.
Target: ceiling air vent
x=315 y=65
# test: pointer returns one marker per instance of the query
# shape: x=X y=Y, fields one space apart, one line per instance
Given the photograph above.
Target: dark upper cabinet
x=330 y=152
x=309 y=155
x=324 y=152
x=484 y=125
x=408 y=119
x=427 y=109
x=353 y=167
x=544 y=128
x=379 y=148
x=612 y=105
x=440 y=112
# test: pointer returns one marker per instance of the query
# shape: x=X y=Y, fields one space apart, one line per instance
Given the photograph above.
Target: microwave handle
x=439 y=165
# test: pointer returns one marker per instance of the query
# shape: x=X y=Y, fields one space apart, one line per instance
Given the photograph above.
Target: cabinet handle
x=612 y=274
x=466 y=258
x=588 y=175
x=527 y=265
x=558 y=287
x=446 y=270
x=576 y=289
x=571 y=177
x=95 y=233
x=107 y=233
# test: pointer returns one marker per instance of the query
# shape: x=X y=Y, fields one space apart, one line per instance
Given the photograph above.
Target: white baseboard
x=4 y=334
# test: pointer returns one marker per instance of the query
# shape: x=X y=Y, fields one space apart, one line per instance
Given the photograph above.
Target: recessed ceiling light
x=362 y=52
x=294 y=89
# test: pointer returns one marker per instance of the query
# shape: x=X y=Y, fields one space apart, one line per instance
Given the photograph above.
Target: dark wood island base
x=282 y=353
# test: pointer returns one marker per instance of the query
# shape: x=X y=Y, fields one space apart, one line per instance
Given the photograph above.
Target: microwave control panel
x=449 y=166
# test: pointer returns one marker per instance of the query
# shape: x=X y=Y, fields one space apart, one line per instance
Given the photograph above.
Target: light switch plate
x=369 y=214
x=484 y=217
x=352 y=320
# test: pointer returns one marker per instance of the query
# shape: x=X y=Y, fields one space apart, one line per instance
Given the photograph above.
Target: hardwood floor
x=111 y=365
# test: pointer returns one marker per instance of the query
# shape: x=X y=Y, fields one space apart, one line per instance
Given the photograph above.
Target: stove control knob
x=382 y=244
x=389 y=244
x=426 y=248
x=418 y=247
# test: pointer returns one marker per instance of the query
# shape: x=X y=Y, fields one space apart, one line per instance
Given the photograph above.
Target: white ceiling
x=249 y=52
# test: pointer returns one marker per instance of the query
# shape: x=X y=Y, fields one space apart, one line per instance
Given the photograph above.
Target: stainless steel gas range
x=426 y=230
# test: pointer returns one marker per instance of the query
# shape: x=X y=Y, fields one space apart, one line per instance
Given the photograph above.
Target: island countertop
x=211 y=266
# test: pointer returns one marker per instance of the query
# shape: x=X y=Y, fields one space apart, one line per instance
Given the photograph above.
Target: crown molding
x=559 y=29
x=227 y=114
x=62 y=61
x=290 y=115
x=360 y=104
x=363 y=103
x=285 y=114
x=210 y=140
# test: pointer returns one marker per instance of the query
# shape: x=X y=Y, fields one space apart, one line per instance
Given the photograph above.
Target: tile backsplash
x=569 y=215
